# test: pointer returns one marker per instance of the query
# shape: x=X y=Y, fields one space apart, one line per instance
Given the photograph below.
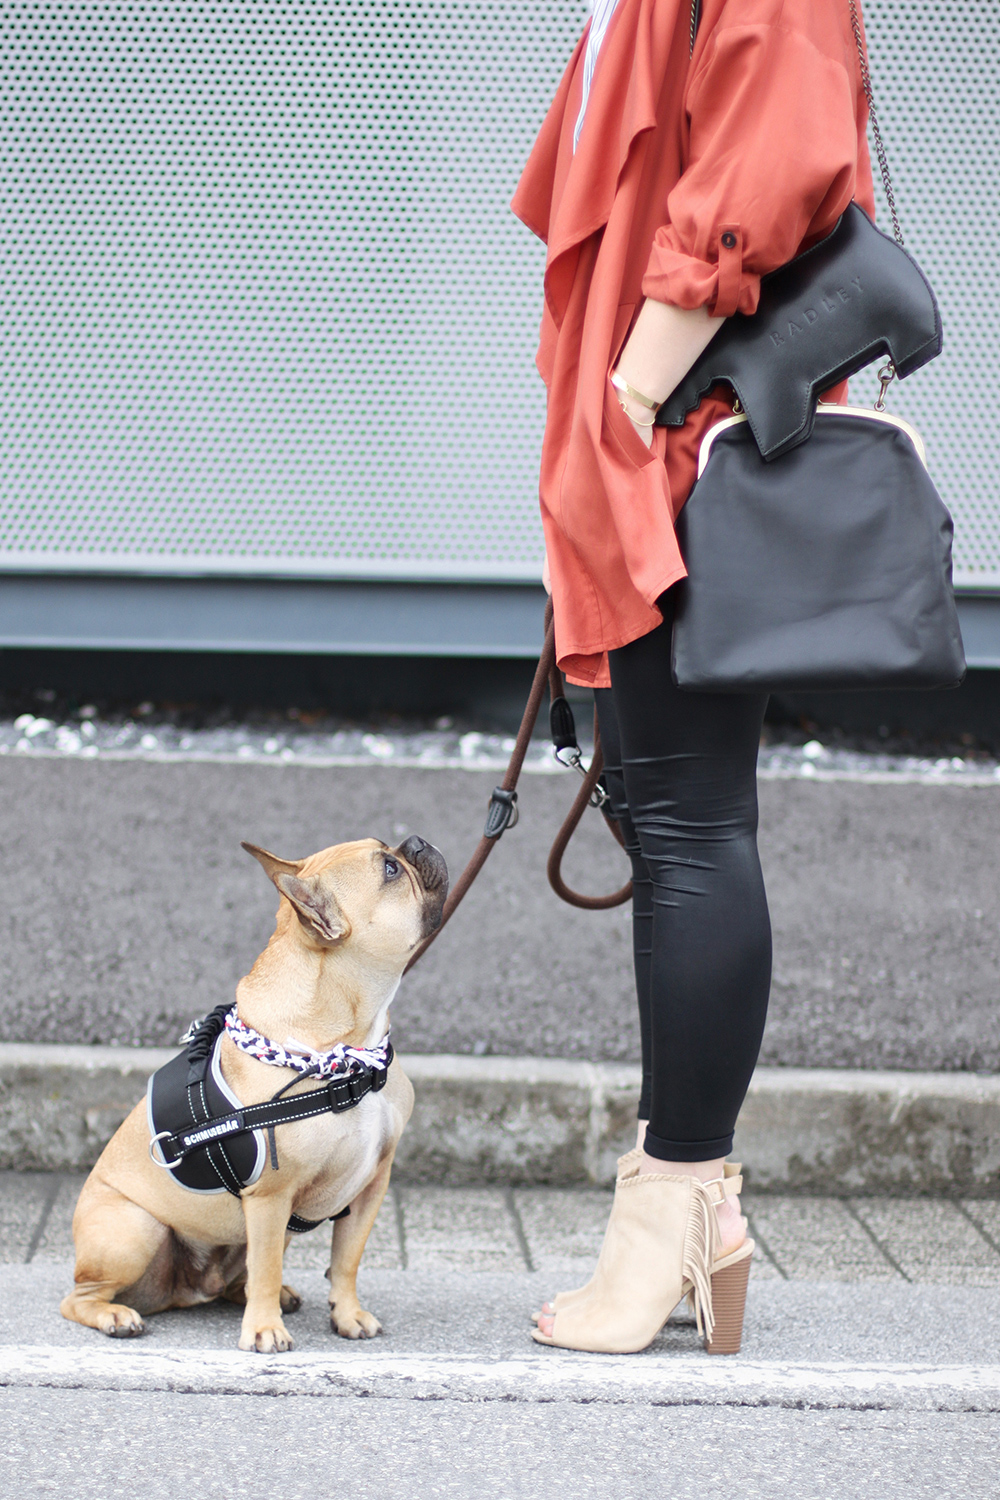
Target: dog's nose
x=413 y=846
x=428 y=862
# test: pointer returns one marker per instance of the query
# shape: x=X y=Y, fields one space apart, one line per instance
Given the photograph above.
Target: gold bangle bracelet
x=635 y=420
x=621 y=384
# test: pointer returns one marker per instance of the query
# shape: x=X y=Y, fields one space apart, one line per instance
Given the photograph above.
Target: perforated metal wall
x=229 y=223
x=936 y=64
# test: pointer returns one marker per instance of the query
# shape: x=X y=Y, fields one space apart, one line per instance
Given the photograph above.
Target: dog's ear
x=272 y=863
x=315 y=907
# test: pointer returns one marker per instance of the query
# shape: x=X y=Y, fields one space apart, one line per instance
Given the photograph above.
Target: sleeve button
x=729 y=240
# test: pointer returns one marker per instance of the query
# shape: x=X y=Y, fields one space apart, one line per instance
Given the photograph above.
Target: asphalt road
x=96 y=1445
x=127 y=908
x=843 y=1390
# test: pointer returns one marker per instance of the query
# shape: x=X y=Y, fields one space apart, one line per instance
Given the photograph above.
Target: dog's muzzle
x=432 y=872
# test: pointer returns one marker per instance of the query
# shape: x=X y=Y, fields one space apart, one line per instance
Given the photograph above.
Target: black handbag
x=829 y=567
x=818 y=549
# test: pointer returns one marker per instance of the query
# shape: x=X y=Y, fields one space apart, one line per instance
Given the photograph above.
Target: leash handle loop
x=585 y=797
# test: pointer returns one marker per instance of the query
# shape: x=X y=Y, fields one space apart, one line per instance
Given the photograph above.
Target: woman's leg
x=642 y=887
x=689 y=768
x=642 y=923
x=682 y=780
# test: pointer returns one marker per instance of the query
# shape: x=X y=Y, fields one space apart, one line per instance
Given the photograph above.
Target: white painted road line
x=634 y=1380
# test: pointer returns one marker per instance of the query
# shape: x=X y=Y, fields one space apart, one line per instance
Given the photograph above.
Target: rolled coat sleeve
x=773 y=160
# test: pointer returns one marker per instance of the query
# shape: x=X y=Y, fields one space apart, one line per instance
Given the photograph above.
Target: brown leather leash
x=503 y=813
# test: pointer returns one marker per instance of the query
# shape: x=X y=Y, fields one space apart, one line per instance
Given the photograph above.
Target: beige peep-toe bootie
x=628 y=1165
x=662 y=1237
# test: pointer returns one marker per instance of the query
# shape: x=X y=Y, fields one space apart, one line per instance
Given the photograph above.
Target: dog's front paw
x=352 y=1322
x=273 y=1338
x=120 y=1322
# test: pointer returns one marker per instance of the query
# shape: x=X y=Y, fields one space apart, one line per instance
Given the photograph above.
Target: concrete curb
x=545 y=1120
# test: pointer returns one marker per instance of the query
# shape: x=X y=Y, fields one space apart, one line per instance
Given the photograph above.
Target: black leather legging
x=682 y=776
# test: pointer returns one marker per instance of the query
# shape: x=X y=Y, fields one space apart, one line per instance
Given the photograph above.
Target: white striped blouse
x=602 y=11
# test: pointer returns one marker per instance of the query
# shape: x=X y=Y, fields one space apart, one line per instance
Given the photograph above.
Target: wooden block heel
x=729 y=1300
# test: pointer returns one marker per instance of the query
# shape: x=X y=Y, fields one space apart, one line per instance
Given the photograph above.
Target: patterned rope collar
x=341 y=1060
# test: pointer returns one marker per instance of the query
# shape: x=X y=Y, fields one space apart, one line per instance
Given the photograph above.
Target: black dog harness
x=209 y=1141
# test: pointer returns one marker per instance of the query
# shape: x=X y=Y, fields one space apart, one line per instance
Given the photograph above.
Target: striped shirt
x=602 y=10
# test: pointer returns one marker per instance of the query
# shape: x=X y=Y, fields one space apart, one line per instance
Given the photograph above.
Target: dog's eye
x=391 y=869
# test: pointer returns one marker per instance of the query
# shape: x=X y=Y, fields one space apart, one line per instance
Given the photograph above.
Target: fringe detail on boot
x=702 y=1242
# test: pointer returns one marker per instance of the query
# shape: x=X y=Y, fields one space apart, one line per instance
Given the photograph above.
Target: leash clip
x=599 y=797
x=502 y=813
x=571 y=757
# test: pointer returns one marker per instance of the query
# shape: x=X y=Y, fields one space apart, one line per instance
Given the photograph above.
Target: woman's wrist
x=664 y=343
x=641 y=416
x=639 y=409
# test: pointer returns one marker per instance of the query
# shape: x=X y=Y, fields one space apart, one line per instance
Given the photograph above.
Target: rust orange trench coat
x=761 y=132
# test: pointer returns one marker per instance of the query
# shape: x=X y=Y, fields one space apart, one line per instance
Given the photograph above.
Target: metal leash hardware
x=502 y=811
x=501 y=814
x=562 y=730
x=886 y=376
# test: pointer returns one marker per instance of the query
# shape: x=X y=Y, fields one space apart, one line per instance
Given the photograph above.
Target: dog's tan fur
x=345 y=930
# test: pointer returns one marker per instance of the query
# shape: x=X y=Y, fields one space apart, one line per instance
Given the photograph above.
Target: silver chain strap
x=866 y=82
x=883 y=160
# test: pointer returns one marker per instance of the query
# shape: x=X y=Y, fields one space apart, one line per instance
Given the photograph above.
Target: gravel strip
x=88 y=737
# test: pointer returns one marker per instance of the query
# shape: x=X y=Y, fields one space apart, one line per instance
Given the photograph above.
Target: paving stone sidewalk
x=558 y=1231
